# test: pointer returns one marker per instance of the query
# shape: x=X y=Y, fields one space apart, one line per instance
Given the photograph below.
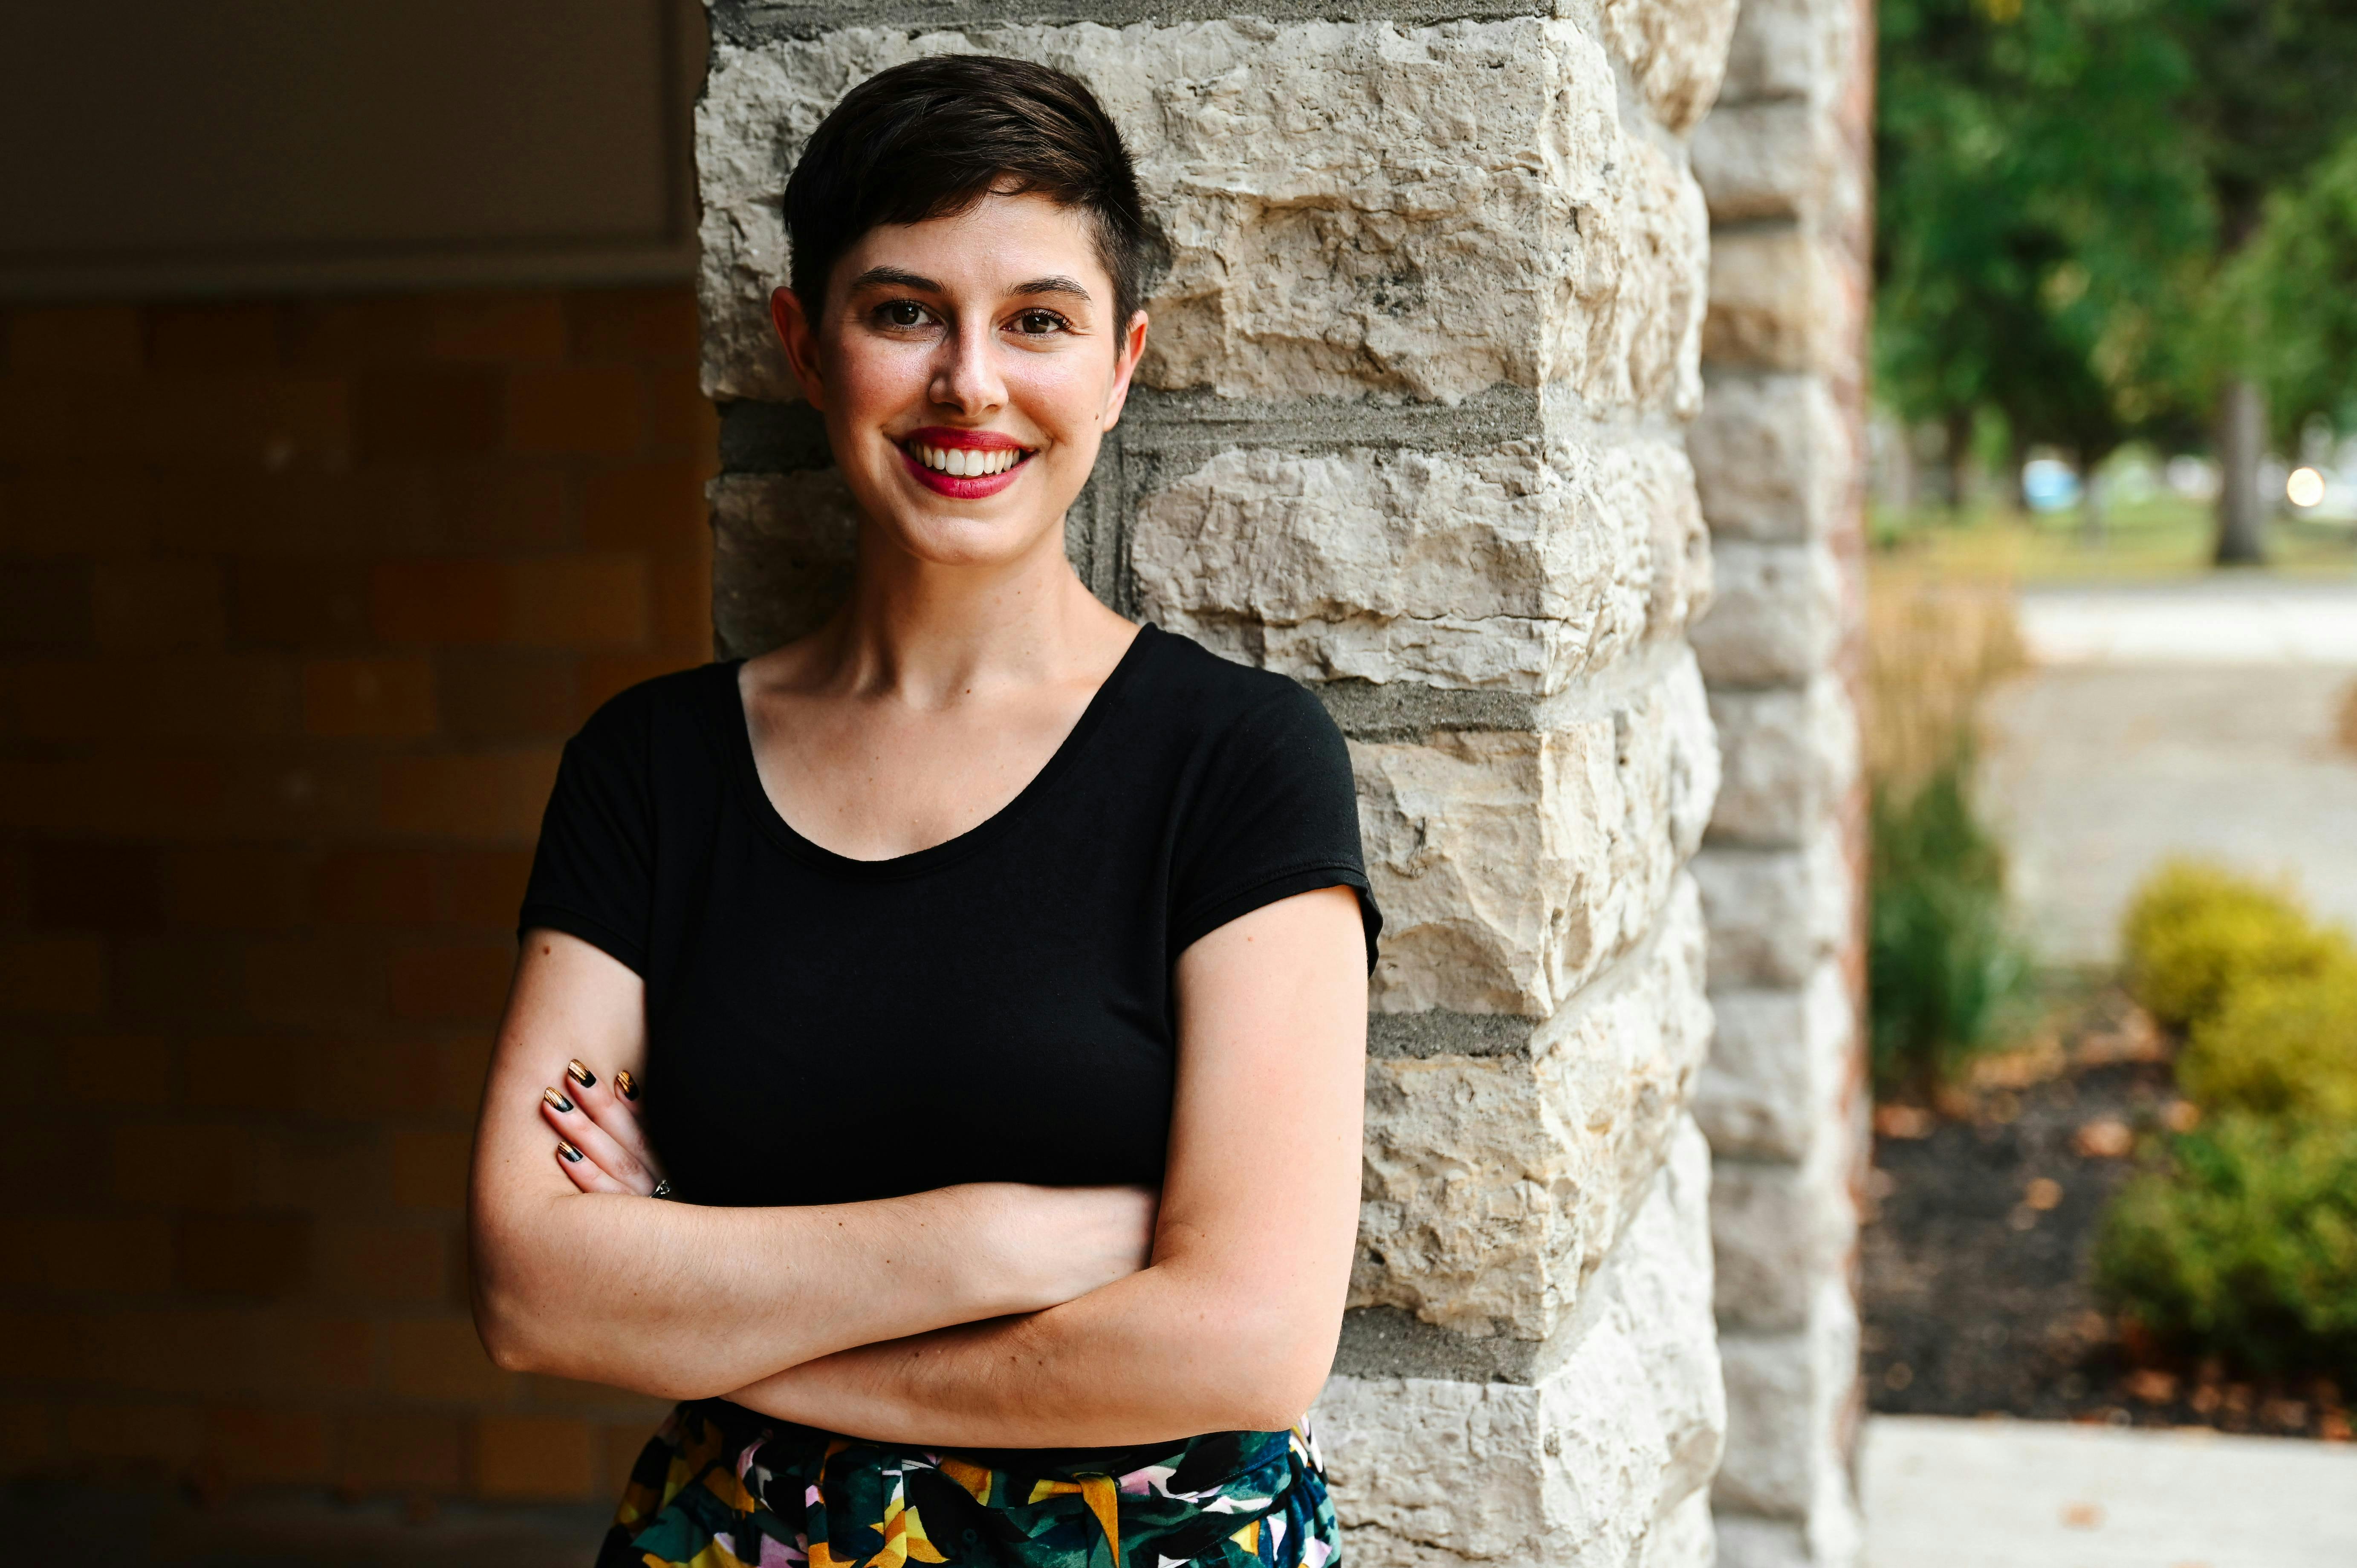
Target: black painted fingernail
x=568 y=1151
x=579 y=1074
x=556 y=1097
x=625 y=1085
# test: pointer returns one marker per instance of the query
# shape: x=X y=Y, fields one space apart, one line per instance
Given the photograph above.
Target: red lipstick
x=980 y=447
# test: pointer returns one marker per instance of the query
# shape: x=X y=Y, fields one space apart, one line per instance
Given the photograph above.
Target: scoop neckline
x=773 y=822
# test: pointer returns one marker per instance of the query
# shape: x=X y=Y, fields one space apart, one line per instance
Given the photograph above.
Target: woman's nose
x=966 y=377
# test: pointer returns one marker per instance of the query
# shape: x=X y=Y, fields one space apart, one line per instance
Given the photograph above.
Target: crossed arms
x=991 y=1315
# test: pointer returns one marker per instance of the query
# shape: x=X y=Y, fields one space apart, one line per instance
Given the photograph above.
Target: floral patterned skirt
x=720 y=1486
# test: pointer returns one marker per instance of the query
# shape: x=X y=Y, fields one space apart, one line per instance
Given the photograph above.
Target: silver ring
x=663 y=1188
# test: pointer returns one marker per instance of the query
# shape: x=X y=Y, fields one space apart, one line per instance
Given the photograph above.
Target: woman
x=985 y=973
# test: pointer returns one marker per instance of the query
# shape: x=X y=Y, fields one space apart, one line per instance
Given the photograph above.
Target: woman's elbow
x=1285 y=1397
x=1273 y=1377
x=511 y=1327
x=511 y=1317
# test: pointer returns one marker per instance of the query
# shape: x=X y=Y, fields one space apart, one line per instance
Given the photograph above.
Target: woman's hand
x=1053 y=1243
x=599 y=1144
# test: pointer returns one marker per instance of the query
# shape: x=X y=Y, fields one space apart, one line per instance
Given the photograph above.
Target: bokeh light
x=2304 y=487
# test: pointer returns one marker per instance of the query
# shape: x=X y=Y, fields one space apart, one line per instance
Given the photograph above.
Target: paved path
x=2160 y=722
x=1943 y=1493
x=2224 y=622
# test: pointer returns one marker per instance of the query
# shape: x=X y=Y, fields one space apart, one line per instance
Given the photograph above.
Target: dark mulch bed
x=1982 y=1216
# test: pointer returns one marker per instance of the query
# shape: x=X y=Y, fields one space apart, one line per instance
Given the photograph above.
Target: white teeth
x=967 y=462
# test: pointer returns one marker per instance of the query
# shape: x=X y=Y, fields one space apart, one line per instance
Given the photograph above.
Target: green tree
x=2297 y=283
x=2035 y=224
x=2272 y=91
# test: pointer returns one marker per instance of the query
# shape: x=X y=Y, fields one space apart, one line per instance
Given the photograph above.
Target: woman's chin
x=970 y=540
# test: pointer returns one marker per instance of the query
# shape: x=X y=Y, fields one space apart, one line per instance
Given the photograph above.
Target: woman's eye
x=1034 y=322
x=904 y=313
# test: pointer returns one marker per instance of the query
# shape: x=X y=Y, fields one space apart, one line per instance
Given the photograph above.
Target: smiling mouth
x=966 y=462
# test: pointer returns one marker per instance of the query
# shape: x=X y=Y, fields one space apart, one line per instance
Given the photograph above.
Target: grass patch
x=1945 y=975
x=1944 y=971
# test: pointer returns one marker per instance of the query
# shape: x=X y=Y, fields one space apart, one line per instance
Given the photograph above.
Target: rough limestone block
x=1790 y=49
x=1752 y=1540
x=1772 y=159
x=1686 y=1538
x=1791 y=1405
x=1781 y=1231
x=1789 y=757
x=1347 y=208
x=1583 y=1469
x=781 y=555
x=1779 y=301
x=1504 y=569
x=1512 y=866
x=1780 y=1069
x=1776 y=614
x=1772 y=457
x=1493 y=1185
x=1676 y=51
x=1775 y=914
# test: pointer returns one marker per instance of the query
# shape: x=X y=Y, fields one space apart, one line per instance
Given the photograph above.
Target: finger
x=573 y=1125
x=613 y=1105
x=582 y=1172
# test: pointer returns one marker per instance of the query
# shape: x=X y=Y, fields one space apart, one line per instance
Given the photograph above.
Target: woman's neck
x=931 y=634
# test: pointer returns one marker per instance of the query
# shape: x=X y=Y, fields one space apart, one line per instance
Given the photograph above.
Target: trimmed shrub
x=2195 y=932
x=2243 y=1244
x=1943 y=970
x=2280 y=1045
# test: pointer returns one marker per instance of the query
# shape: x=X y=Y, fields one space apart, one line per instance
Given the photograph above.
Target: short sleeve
x=1273 y=813
x=593 y=874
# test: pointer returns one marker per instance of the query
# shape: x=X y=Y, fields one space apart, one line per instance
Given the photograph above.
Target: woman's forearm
x=1165 y=1353
x=687 y=1302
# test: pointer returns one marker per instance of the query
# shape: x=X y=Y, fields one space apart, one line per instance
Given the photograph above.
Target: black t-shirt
x=994 y=1008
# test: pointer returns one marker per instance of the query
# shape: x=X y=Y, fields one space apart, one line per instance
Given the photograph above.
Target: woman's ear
x=796 y=336
x=1125 y=367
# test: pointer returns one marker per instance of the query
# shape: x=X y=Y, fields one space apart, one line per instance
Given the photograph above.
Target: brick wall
x=298 y=601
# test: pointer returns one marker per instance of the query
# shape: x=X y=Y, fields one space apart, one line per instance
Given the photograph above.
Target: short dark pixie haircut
x=931 y=137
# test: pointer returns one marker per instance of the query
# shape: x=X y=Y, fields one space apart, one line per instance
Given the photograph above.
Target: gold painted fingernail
x=568 y=1151
x=556 y=1097
x=579 y=1074
x=625 y=1085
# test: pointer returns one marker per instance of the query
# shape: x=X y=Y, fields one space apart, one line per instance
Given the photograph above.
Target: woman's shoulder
x=1206 y=692
x=681 y=708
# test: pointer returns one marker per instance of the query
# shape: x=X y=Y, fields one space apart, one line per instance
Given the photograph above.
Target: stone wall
x=1414 y=429
x=1778 y=454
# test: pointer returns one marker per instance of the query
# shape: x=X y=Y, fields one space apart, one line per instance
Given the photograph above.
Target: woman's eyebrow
x=1050 y=286
x=893 y=278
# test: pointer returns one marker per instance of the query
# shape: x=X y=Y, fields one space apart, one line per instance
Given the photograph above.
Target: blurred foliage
x=2240 y=1239
x=2242 y=1242
x=2195 y=933
x=2091 y=210
x=2282 y=1045
x=2037 y=229
x=1943 y=968
x=2296 y=285
x=1938 y=637
x=1944 y=971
